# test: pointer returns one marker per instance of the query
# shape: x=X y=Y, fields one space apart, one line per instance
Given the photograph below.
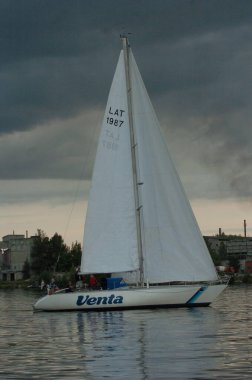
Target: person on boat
x=42 y=285
x=70 y=287
x=77 y=274
x=52 y=287
x=104 y=283
x=93 y=282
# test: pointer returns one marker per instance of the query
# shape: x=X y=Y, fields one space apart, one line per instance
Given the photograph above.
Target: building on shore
x=229 y=247
x=15 y=252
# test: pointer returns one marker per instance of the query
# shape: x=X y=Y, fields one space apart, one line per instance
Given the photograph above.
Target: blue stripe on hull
x=196 y=295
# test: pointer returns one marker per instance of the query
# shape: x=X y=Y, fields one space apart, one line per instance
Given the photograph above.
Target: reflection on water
x=201 y=343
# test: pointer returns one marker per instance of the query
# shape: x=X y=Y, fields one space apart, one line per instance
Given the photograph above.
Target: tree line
x=53 y=255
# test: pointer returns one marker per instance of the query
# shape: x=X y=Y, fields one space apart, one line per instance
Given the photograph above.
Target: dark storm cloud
x=58 y=57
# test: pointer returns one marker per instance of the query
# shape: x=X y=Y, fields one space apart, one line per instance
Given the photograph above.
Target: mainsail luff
x=126 y=50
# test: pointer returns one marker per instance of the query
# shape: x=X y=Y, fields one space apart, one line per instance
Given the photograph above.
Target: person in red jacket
x=92 y=282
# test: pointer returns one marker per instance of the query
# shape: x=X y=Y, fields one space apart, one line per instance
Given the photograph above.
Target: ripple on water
x=201 y=343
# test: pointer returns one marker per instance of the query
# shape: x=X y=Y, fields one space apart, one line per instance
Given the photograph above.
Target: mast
x=126 y=48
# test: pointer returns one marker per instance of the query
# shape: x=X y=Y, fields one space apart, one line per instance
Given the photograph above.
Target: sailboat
x=139 y=227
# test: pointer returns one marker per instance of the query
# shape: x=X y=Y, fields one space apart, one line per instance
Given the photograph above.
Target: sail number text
x=112 y=119
x=115 y=122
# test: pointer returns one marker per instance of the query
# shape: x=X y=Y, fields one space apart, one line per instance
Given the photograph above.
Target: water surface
x=200 y=343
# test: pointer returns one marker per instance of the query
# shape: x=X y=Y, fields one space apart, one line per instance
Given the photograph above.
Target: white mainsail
x=173 y=247
x=110 y=241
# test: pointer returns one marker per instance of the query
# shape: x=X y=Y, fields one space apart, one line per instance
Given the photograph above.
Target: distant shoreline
x=237 y=279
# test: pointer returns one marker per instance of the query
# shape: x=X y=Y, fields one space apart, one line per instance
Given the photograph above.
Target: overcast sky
x=57 y=60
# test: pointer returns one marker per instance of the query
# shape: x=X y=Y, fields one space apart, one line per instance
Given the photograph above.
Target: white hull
x=132 y=298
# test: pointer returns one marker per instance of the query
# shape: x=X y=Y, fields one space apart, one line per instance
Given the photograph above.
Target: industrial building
x=15 y=251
